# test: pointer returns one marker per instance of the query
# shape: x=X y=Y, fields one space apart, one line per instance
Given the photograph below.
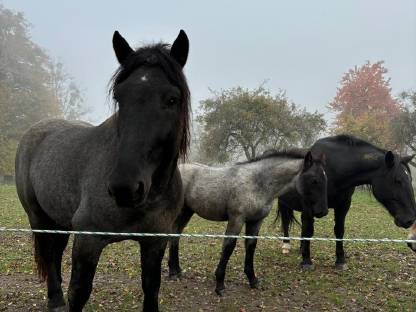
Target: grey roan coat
x=243 y=194
x=120 y=176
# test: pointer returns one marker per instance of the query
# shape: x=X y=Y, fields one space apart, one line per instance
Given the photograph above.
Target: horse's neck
x=107 y=131
x=276 y=174
x=361 y=170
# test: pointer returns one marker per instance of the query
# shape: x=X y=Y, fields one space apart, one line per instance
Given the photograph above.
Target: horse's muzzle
x=127 y=195
x=403 y=223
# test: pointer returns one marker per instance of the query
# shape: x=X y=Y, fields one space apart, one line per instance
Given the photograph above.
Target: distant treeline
x=33 y=86
x=237 y=122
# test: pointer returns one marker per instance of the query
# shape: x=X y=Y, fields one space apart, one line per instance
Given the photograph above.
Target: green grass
x=380 y=276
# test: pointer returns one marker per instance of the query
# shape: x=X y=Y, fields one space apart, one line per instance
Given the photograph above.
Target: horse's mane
x=350 y=140
x=159 y=55
x=295 y=153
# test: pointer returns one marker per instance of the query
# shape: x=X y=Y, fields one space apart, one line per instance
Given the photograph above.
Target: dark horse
x=120 y=176
x=352 y=162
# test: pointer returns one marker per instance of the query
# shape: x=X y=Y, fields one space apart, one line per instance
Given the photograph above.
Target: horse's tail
x=40 y=252
x=286 y=216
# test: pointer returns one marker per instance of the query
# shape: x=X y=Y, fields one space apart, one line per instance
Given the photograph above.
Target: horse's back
x=32 y=139
x=31 y=153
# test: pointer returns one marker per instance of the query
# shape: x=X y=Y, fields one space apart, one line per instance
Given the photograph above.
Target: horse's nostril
x=109 y=192
x=140 y=191
x=140 y=188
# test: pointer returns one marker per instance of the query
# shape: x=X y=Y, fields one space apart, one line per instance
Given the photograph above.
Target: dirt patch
x=193 y=292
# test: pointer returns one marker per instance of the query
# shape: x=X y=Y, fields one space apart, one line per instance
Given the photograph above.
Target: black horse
x=120 y=176
x=352 y=162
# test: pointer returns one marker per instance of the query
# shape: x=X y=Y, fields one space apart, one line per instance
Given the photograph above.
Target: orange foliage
x=365 y=106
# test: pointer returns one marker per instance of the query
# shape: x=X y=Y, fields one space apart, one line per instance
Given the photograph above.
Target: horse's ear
x=389 y=159
x=308 y=161
x=407 y=159
x=121 y=47
x=180 y=48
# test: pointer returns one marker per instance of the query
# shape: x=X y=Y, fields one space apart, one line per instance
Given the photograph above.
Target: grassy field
x=381 y=277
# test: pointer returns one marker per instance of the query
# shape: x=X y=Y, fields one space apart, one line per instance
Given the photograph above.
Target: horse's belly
x=217 y=216
x=258 y=213
x=207 y=209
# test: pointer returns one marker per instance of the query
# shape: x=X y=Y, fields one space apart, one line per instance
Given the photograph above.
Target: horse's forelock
x=158 y=55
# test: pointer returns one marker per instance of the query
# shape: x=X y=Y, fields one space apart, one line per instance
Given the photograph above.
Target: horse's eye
x=398 y=182
x=314 y=182
x=172 y=101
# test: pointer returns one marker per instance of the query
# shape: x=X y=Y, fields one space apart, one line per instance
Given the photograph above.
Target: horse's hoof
x=220 y=291
x=175 y=275
x=254 y=284
x=341 y=266
x=307 y=267
x=58 y=309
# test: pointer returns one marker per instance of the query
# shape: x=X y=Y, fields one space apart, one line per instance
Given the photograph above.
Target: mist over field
x=303 y=47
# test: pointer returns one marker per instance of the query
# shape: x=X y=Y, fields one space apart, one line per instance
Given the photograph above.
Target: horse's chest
x=152 y=218
x=158 y=220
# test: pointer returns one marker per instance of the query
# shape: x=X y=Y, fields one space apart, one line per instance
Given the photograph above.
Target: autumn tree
x=32 y=87
x=24 y=77
x=364 y=105
x=245 y=122
x=66 y=92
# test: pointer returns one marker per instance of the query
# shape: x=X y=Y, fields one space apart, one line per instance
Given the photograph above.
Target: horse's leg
x=252 y=229
x=234 y=227
x=307 y=231
x=61 y=243
x=173 y=262
x=85 y=255
x=285 y=216
x=340 y=212
x=49 y=249
x=54 y=281
x=151 y=252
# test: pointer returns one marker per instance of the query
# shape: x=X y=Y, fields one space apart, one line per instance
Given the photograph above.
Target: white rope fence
x=199 y=235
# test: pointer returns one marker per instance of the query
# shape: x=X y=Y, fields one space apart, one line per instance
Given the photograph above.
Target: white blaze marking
x=144 y=78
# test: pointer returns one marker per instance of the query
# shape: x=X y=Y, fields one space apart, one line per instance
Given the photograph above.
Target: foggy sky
x=303 y=47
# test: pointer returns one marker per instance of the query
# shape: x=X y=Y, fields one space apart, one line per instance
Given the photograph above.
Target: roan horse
x=120 y=176
x=243 y=194
x=353 y=162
